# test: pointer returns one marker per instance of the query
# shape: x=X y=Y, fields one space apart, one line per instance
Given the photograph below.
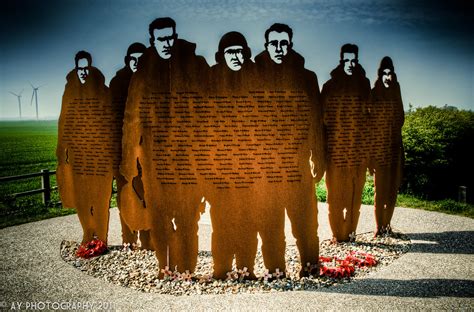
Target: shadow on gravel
x=422 y=288
x=444 y=242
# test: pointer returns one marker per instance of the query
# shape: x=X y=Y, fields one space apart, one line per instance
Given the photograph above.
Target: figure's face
x=164 y=40
x=82 y=70
x=387 y=77
x=133 y=62
x=234 y=57
x=350 y=61
x=278 y=45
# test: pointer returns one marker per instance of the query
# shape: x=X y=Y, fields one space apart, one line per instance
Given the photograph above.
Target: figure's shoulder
x=71 y=76
x=187 y=50
x=97 y=75
x=123 y=74
x=328 y=86
x=367 y=81
x=261 y=58
x=310 y=75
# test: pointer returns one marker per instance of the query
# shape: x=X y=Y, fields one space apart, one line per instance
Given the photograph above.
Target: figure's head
x=386 y=71
x=83 y=61
x=134 y=52
x=278 y=41
x=234 y=50
x=349 y=57
x=163 y=35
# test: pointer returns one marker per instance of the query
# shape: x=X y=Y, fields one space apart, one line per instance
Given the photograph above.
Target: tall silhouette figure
x=294 y=93
x=86 y=149
x=156 y=119
x=234 y=229
x=345 y=106
x=386 y=116
x=119 y=92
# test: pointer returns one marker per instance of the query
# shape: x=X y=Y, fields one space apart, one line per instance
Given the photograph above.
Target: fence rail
x=45 y=189
x=45 y=184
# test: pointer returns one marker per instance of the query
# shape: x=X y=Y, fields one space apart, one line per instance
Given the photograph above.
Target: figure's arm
x=318 y=137
x=131 y=132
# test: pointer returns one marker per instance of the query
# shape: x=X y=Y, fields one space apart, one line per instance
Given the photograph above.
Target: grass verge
x=404 y=200
x=31 y=216
x=446 y=205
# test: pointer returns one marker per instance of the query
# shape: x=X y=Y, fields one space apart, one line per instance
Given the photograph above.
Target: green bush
x=321 y=192
x=367 y=193
x=437 y=157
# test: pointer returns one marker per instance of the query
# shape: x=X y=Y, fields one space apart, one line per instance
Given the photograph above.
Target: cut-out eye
x=284 y=43
x=236 y=51
x=167 y=38
x=273 y=43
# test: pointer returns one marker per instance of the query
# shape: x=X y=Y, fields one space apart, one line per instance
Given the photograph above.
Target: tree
x=437 y=144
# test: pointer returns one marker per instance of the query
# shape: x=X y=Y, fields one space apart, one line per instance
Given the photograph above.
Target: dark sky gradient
x=431 y=42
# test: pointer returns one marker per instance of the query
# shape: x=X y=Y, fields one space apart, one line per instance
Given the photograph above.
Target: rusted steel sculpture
x=87 y=150
x=387 y=157
x=160 y=107
x=119 y=92
x=345 y=106
x=234 y=228
x=296 y=149
x=243 y=144
x=251 y=139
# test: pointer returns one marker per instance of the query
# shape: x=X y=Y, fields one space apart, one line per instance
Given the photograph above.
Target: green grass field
x=26 y=147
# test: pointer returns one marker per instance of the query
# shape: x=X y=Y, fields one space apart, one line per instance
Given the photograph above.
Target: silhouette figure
x=345 y=98
x=282 y=71
x=387 y=157
x=119 y=92
x=233 y=223
x=156 y=122
x=85 y=149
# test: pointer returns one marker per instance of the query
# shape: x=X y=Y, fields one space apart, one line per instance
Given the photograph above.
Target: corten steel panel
x=162 y=184
x=119 y=92
x=347 y=130
x=88 y=151
x=238 y=140
x=387 y=156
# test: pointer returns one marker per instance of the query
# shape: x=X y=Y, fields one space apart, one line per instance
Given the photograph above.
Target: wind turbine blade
x=21 y=91
x=32 y=95
x=41 y=86
x=13 y=93
x=31 y=84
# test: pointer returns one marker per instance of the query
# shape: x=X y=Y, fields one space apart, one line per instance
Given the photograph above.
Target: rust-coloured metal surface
x=88 y=151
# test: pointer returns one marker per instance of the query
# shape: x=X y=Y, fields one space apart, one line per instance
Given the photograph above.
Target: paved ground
x=436 y=274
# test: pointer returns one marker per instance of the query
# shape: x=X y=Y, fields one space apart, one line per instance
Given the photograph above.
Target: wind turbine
x=35 y=95
x=19 y=100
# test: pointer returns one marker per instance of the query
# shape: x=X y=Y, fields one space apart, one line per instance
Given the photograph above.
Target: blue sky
x=431 y=42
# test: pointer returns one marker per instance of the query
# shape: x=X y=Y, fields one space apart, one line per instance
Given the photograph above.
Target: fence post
x=462 y=195
x=46 y=186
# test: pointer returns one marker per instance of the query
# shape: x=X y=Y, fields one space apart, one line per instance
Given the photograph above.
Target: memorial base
x=138 y=269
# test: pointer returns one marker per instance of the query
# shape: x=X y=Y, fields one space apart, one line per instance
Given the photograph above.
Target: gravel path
x=436 y=273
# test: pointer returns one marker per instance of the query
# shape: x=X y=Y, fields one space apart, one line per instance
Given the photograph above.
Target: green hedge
x=438 y=160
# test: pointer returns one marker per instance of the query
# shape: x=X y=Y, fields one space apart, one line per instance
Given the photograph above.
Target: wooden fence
x=45 y=189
